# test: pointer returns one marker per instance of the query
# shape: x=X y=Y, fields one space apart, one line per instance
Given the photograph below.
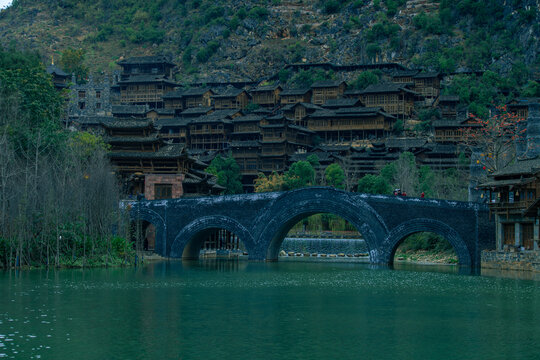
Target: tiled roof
x=157 y=59
x=200 y=110
x=386 y=87
x=426 y=74
x=232 y=92
x=528 y=166
x=286 y=92
x=449 y=98
x=130 y=109
x=165 y=152
x=327 y=83
x=172 y=122
x=113 y=123
x=135 y=79
x=53 y=69
x=337 y=103
x=266 y=88
x=248 y=118
x=404 y=73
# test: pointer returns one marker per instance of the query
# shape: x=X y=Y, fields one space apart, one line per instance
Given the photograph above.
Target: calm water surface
x=243 y=310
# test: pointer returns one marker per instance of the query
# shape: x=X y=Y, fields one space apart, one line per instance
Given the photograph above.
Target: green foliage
x=335 y=176
x=258 y=13
x=398 y=127
x=313 y=159
x=429 y=24
x=373 y=184
x=532 y=89
x=426 y=241
x=228 y=174
x=284 y=75
x=381 y=31
x=300 y=174
x=72 y=61
x=330 y=6
x=203 y=55
x=392 y=6
x=365 y=79
x=305 y=78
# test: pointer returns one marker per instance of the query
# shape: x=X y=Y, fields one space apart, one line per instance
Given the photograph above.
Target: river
x=251 y=310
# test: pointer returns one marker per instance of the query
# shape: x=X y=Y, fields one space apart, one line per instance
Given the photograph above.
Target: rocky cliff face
x=247 y=39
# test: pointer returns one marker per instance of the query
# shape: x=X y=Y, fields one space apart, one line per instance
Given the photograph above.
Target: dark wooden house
x=396 y=99
x=293 y=96
x=326 y=90
x=266 y=96
x=231 y=98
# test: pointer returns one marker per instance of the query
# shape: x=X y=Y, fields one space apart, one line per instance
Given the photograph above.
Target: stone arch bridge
x=262 y=220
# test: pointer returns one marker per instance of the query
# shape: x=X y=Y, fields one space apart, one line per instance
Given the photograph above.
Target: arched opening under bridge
x=323 y=235
x=425 y=248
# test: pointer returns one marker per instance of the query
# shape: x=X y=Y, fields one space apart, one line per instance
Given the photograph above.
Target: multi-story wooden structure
x=351 y=124
x=404 y=76
x=293 y=96
x=451 y=130
x=245 y=147
x=231 y=98
x=173 y=130
x=427 y=84
x=448 y=105
x=266 y=96
x=396 y=99
x=280 y=138
x=520 y=106
x=514 y=198
x=59 y=77
x=326 y=90
x=182 y=99
x=211 y=132
x=145 y=80
x=299 y=112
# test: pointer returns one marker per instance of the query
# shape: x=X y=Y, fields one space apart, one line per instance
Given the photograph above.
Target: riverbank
x=426 y=257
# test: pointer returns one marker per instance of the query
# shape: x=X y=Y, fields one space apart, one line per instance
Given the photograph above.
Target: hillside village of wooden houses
x=163 y=135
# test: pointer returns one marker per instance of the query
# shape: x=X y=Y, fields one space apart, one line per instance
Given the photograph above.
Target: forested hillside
x=238 y=39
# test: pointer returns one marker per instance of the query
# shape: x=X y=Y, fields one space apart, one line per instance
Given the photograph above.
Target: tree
x=494 y=138
x=365 y=79
x=335 y=176
x=228 y=174
x=274 y=182
x=300 y=174
x=373 y=184
x=73 y=63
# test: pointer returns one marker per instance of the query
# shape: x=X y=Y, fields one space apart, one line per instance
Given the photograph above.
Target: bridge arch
x=403 y=230
x=140 y=213
x=293 y=206
x=187 y=244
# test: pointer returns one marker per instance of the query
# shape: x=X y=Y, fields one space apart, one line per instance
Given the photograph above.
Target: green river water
x=251 y=310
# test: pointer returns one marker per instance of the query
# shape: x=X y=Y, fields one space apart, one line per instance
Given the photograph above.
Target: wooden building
x=448 y=105
x=427 y=84
x=351 y=124
x=396 y=99
x=281 y=138
x=293 y=96
x=520 y=106
x=326 y=90
x=266 y=96
x=145 y=80
x=404 y=76
x=182 y=99
x=173 y=130
x=513 y=195
x=245 y=147
x=231 y=98
x=59 y=77
x=299 y=112
x=211 y=132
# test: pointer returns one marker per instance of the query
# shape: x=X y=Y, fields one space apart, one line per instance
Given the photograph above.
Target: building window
x=509 y=234
x=528 y=236
x=82 y=94
x=98 y=94
x=98 y=105
x=163 y=191
x=82 y=105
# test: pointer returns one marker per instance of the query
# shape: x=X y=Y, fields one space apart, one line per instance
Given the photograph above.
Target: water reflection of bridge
x=261 y=221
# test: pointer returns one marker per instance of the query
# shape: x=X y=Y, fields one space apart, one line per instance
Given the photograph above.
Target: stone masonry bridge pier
x=262 y=220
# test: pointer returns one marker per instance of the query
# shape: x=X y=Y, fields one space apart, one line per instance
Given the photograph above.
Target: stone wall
x=505 y=260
